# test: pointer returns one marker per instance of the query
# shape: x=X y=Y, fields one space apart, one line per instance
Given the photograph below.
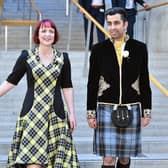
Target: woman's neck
x=45 y=51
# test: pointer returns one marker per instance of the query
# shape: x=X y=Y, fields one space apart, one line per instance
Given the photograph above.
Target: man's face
x=116 y=26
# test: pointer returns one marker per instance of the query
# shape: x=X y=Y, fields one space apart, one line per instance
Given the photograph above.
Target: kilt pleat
x=117 y=142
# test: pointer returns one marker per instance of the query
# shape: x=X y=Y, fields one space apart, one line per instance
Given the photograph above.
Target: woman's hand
x=73 y=123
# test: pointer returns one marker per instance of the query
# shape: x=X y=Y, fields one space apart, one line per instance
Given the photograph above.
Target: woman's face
x=46 y=35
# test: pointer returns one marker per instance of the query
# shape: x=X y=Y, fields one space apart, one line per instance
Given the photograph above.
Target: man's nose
x=112 y=26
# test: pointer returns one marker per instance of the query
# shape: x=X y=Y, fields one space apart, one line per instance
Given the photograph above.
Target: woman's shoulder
x=66 y=58
x=61 y=56
x=60 y=53
x=23 y=56
x=24 y=53
x=64 y=55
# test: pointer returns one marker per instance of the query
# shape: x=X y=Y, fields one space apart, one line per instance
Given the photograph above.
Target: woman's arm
x=15 y=76
x=5 y=87
x=69 y=99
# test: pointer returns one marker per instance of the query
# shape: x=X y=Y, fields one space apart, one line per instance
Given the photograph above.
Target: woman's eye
x=43 y=31
x=51 y=31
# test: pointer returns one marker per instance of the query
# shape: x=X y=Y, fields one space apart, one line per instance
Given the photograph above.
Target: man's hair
x=117 y=10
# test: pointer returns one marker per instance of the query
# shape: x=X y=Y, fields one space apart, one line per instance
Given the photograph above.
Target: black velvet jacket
x=106 y=83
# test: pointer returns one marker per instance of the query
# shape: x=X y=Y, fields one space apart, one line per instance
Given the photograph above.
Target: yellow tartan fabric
x=41 y=137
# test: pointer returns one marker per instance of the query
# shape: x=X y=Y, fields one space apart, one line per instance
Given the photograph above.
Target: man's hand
x=92 y=122
x=146 y=6
x=145 y=121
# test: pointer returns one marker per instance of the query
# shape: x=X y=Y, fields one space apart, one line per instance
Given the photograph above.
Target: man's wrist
x=91 y=114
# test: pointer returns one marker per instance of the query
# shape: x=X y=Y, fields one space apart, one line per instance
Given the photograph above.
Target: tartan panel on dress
x=117 y=142
x=41 y=137
x=60 y=138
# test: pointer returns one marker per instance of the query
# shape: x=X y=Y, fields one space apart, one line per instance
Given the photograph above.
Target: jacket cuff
x=147 y=113
x=91 y=114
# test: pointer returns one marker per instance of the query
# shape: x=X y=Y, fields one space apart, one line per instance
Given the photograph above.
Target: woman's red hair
x=45 y=23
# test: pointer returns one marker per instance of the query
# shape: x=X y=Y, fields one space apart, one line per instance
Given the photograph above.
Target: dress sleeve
x=19 y=69
x=66 y=81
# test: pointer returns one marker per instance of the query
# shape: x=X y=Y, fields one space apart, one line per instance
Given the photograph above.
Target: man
x=96 y=8
x=118 y=77
x=131 y=8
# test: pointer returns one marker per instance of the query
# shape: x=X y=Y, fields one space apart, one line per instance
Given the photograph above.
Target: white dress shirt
x=129 y=4
x=97 y=2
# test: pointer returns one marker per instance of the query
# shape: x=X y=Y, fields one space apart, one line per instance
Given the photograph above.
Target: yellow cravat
x=118 y=47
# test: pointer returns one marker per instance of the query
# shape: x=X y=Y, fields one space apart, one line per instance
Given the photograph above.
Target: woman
x=43 y=130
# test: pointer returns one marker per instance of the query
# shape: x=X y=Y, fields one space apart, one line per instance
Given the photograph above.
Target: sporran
x=122 y=116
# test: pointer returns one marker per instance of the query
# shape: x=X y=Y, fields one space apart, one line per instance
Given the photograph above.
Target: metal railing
x=89 y=17
x=67 y=7
x=146 y=27
x=1 y=7
x=153 y=6
x=22 y=22
x=39 y=15
x=146 y=21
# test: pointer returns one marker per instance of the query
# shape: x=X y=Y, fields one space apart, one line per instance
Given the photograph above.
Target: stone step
x=54 y=11
x=86 y=132
x=155 y=129
x=23 y=42
x=84 y=145
x=159 y=125
x=90 y=160
x=14 y=108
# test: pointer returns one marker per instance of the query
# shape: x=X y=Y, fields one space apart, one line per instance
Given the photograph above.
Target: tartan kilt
x=117 y=142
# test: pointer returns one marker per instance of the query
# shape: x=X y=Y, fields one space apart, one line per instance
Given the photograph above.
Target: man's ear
x=126 y=24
